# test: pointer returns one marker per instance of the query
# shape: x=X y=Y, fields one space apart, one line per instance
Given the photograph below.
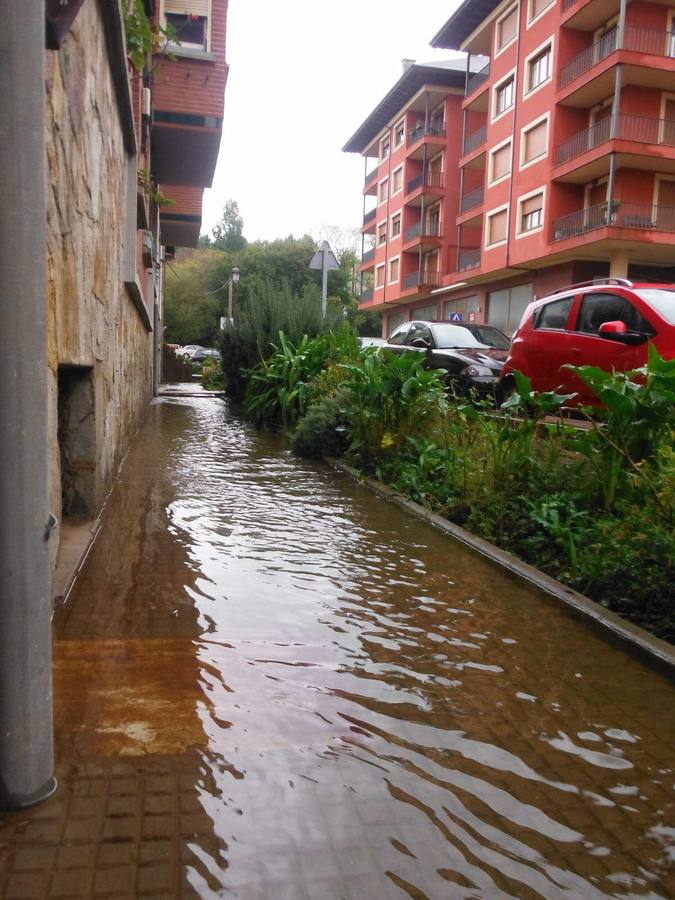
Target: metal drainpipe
x=516 y=91
x=26 y=743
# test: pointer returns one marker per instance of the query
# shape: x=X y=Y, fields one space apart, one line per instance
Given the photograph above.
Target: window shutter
x=507 y=27
x=501 y=162
x=535 y=141
x=539 y=6
x=532 y=204
x=187 y=7
x=498 y=227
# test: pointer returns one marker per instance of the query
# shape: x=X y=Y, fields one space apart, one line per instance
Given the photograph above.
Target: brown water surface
x=270 y=683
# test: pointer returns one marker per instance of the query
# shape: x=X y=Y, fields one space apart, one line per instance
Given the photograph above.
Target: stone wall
x=92 y=319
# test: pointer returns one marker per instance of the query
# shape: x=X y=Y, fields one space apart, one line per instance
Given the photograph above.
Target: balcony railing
x=472 y=199
x=642 y=40
x=430 y=180
x=566 y=4
x=642 y=129
x=417 y=279
x=643 y=216
x=415 y=183
x=426 y=229
x=468 y=259
x=366 y=294
x=368 y=256
x=478 y=137
x=475 y=81
x=418 y=131
x=369 y=216
x=369 y=176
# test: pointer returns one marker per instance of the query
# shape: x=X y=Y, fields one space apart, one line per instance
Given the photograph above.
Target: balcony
x=471 y=200
x=370 y=176
x=471 y=141
x=369 y=216
x=366 y=295
x=423 y=230
x=180 y=223
x=436 y=129
x=368 y=257
x=642 y=216
x=423 y=280
x=477 y=80
x=468 y=259
x=642 y=129
x=640 y=40
x=435 y=181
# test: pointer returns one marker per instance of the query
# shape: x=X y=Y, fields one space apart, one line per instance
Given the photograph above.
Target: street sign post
x=324 y=259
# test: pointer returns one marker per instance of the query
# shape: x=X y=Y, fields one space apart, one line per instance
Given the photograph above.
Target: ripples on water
x=380 y=712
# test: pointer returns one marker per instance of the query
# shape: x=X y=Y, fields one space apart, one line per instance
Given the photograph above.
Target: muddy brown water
x=271 y=683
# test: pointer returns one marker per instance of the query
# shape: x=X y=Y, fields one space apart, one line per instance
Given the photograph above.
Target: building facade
x=555 y=164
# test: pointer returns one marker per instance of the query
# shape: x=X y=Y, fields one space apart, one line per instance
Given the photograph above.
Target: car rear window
x=554 y=314
x=467 y=336
x=662 y=301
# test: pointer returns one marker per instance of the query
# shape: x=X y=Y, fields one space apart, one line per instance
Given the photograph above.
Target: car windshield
x=466 y=336
x=661 y=300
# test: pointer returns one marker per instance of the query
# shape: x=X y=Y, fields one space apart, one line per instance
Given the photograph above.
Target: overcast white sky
x=303 y=77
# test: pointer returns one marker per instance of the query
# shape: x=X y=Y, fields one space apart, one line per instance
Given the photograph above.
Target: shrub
x=323 y=430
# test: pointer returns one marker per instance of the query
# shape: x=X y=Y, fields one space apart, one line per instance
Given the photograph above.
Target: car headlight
x=475 y=371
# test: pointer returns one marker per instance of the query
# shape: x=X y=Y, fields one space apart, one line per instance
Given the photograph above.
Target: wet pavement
x=270 y=683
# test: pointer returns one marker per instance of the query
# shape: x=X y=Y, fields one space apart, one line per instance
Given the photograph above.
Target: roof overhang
x=463 y=22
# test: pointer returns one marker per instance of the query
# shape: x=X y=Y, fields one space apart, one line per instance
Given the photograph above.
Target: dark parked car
x=471 y=355
x=200 y=355
x=606 y=324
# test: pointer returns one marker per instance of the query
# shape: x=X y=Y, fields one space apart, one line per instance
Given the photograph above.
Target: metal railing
x=641 y=40
x=478 y=79
x=468 y=259
x=643 y=216
x=473 y=198
x=581 y=221
x=428 y=179
x=370 y=175
x=417 y=279
x=642 y=129
x=369 y=216
x=478 y=137
x=366 y=294
x=368 y=256
x=427 y=229
x=415 y=183
x=418 y=131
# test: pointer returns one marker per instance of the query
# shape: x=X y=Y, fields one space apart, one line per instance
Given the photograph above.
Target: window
x=537 y=7
x=554 y=315
x=507 y=28
x=384 y=147
x=396 y=225
x=598 y=308
x=500 y=162
x=531 y=212
x=398 y=329
x=418 y=331
x=381 y=233
x=539 y=68
x=383 y=191
x=399 y=132
x=506 y=308
x=427 y=314
x=534 y=143
x=189 y=20
x=393 y=269
x=379 y=276
x=397 y=180
x=497 y=227
x=504 y=96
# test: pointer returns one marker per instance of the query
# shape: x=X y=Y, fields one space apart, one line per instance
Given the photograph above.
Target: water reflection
x=351 y=704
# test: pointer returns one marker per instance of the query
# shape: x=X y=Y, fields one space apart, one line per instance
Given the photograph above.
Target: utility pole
x=26 y=743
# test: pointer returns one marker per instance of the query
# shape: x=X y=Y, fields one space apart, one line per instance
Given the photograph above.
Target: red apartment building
x=549 y=160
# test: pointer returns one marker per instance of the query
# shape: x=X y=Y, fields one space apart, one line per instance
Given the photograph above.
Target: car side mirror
x=618 y=331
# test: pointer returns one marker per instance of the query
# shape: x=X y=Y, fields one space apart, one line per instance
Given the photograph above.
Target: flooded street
x=270 y=683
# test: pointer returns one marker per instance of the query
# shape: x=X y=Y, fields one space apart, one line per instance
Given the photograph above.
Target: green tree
x=228 y=234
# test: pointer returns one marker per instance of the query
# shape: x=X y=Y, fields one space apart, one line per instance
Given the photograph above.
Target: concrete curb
x=651 y=650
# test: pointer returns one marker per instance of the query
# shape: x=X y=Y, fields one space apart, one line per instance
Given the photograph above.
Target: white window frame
x=532 y=19
x=530 y=125
x=495 y=116
x=379 y=192
x=497 y=51
x=378 y=242
x=589 y=187
x=376 y=286
x=390 y=280
x=530 y=92
x=392 y=236
x=385 y=139
x=399 y=124
x=665 y=95
x=670 y=37
x=658 y=178
x=488 y=215
x=519 y=231
x=393 y=176
x=494 y=150
x=176 y=48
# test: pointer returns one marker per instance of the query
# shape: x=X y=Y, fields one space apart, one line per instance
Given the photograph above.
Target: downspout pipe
x=26 y=726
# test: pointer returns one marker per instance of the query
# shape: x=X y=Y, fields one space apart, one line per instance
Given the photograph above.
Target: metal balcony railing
x=478 y=137
x=431 y=228
x=642 y=40
x=369 y=216
x=643 y=216
x=368 y=256
x=581 y=221
x=468 y=259
x=418 y=131
x=366 y=294
x=472 y=199
x=642 y=129
x=417 y=279
x=415 y=183
x=475 y=81
x=369 y=176
x=430 y=180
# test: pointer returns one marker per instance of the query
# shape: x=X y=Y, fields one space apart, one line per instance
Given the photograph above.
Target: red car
x=606 y=323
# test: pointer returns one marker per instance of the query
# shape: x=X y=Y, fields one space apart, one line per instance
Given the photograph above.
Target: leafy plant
x=142 y=37
x=323 y=430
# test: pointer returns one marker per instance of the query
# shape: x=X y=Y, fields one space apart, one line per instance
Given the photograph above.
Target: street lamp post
x=232 y=280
